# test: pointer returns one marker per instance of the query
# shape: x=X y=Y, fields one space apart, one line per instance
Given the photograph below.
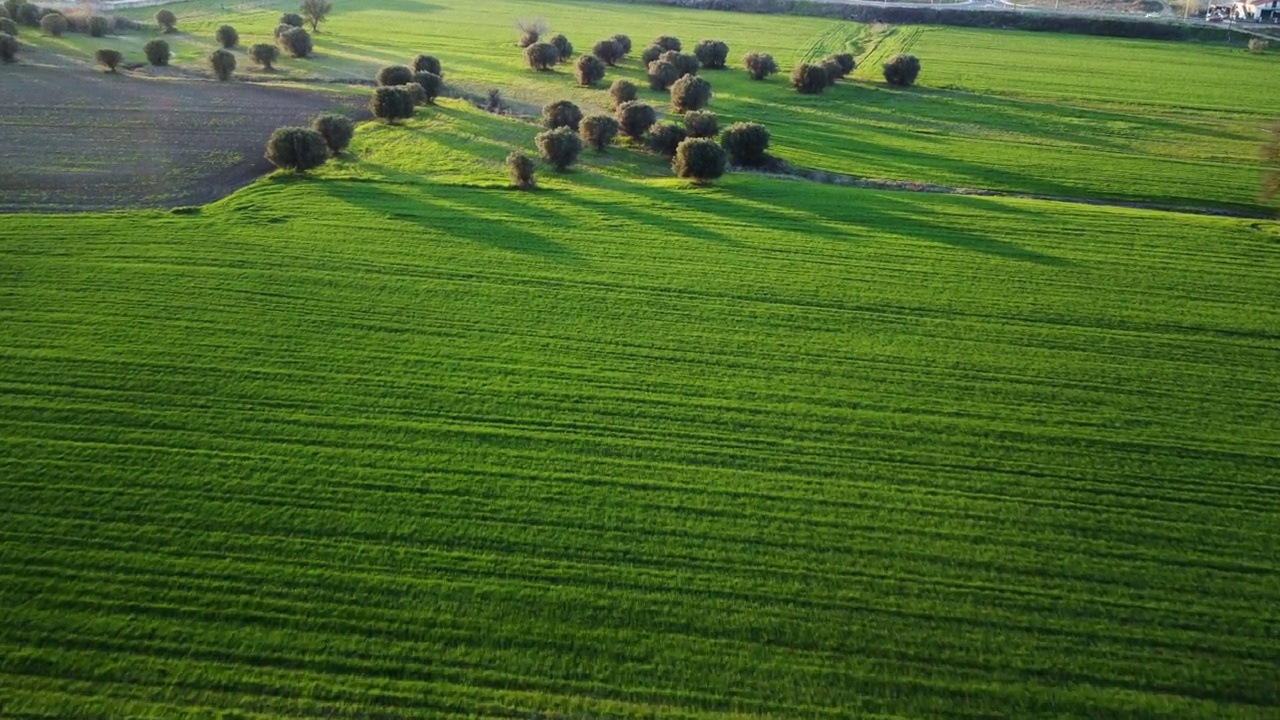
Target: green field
x=396 y=441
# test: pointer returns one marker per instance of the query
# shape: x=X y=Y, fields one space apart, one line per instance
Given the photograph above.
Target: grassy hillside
x=398 y=442
x=1024 y=112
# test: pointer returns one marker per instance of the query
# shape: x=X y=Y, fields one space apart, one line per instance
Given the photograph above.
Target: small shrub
x=416 y=94
x=901 y=70
x=157 y=52
x=808 y=78
x=291 y=19
x=297 y=149
x=264 y=54
x=690 y=93
x=561 y=113
x=598 y=131
x=391 y=104
x=493 y=101
x=521 y=168
x=394 y=75
x=712 y=54
x=337 y=131
x=589 y=70
x=651 y=53
x=759 y=65
x=746 y=143
x=98 y=26
x=427 y=63
x=226 y=36
x=529 y=32
x=609 y=51
x=431 y=85
x=662 y=74
x=833 y=70
x=622 y=90
x=846 y=62
x=166 y=21
x=8 y=48
x=8 y=27
x=699 y=159
x=624 y=42
x=315 y=11
x=223 y=63
x=296 y=42
x=668 y=42
x=701 y=123
x=686 y=63
x=541 y=56
x=664 y=137
x=109 y=59
x=563 y=46
x=53 y=24
x=560 y=147
x=1258 y=45
x=635 y=118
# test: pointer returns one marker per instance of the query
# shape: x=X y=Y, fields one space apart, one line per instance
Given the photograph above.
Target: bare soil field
x=98 y=141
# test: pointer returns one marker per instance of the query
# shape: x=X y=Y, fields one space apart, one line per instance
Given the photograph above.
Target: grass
x=397 y=441
x=1021 y=112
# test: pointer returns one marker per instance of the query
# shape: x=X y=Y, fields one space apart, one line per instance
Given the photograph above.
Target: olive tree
x=561 y=113
x=8 y=48
x=166 y=21
x=563 y=46
x=686 y=63
x=588 y=70
x=541 y=56
x=746 y=143
x=701 y=123
x=297 y=149
x=901 y=70
x=223 y=63
x=624 y=42
x=427 y=63
x=54 y=24
x=662 y=74
x=431 y=85
x=664 y=137
x=391 y=104
x=808 y=78
x=521 y=167
x=622 y=90
x=290 y=19
x=157 y=52
x=598 y=131
x=315 y=11
x=226 y=36
x=690 y=93
x=296 y=42
x=98 y=25
x=109 y=59
x=264 y=54
x=759 y=65
x=699 y=159
x=394 y=75
x=609 y=51
x=712 y=54
x=8 y=27
x=635 y=118
x=668 y=42
x=651 y=53
x=559 y=147
x=337 y=131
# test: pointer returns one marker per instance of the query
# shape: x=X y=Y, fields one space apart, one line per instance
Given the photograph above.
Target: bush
x=809 y=79
x=157 y=52
x=416 y=93
x=391 y=104
x=223 y=63
x=521 y=168
x=651 y=53
x=109 y=59
x=833 y=70
x=846 y=62
x=589 y=70
x=529 y=32
x=609 y=51
x=297 y=149
x=427 y=63
x=901 y=70
x=624 y=42
x=1258 y=46
x=561 y=113
x=563 y=46
x=166 y=21
x=226 y=36
x=712 y=54
x=560 y=147
x=98 y=25
x=296 y=42
x=8 y=48
x=8 y=27
x=701 y=123
x=29 y=14
x=746 y=143
x=315 y=11
x=264 y=54
x=686 y=63
x=291 y=19
x=337 y=131
x=622 y=91
x=282 y=28
x=431 y=85
x=598 y=131
x=541 y=56
x=394 y=75
x=662 y=74
x=664 y=137
x=759 y=65
x=690 y=93
x=635 y=118
x=668 y=42
x=699 y=159
x=53 y=24
x=493 y=101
